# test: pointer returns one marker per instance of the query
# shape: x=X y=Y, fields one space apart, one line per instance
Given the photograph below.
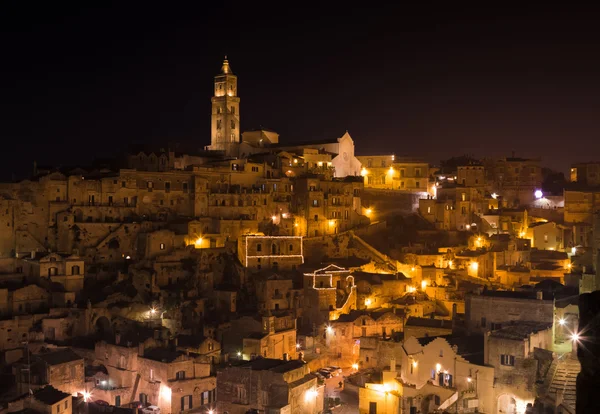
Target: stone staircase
x=562 y=387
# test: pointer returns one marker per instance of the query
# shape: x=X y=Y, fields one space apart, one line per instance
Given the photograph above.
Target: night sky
x=79 y=82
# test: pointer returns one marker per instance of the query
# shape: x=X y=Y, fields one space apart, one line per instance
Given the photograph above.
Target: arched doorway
x=103 y=328
x=507 y=404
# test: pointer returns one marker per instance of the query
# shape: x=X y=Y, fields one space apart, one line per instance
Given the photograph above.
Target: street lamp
x=561 y=321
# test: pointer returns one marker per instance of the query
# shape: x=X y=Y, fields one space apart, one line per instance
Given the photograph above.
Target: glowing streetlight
x=86 y=396
x=474 y=265
x=273 y=218
x=494 y=196
x=423 y=284
x=538 y=194
x=468 y=227
x=368 y=211
x=153 y=311
x=438 y=367
x=414 y=364
x=561 y=321
x=297 y=346
x=355 y=366
x=575 y=337
x=211 y=412
x=364 y=172
x=198 y=242
x=329 y=329
x=469 y=379
x=450 y=264
x=367 y=302
x=310 y=394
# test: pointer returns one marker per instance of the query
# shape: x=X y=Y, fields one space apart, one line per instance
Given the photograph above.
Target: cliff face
x=588 y=380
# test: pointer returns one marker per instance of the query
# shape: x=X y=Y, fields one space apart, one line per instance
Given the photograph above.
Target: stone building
x=269 y=385
x=225 y=115
x=49 y=400
x=275 y=292
x=259 y=252
x=67 y=270
x=587 y=173
x=62 y=369
x=328 y=293
x=546 y=235
x=422 y=327
x=510 y=350
x=493 y=309
x=392 y=173
x=444 y=372
x=514 y=179
x=149 y=372
x=375 y=290
x=277 y=340
x=343 y=335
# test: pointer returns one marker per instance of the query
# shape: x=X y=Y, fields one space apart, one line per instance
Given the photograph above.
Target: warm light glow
x=538 y=194
x=561 y=321
x=411 y=289
x=414 y=364
x=450 y=263
x=494 y=196
x=329 y=329
x=412 y=269
x=211 y=412
x=87 y=396
x=355 y=366
x=438 y=367
x=469 y=379
x=364 y=172
x=297 y=346
x=391 y=170
x=478 y=239
x=468 y=226
x=368 y=211
x=284 y=215
x=573 y=250
x=575 y=337
x=310 y=394
x=128 y=257
x=239 y=354
x=165 y=393
x=153 y=311
x=522 y=234
x=387 y=387
x=474 y=265
x=423 y=284
x=367 y=302
x=295 y=224
x=198 y=242
x=569 y=265
x=273 y=218
x=320 y=163
x=295 y=161
x=332 y=222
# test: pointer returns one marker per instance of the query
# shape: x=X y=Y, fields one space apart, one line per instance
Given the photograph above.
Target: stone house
x=277 y=340
x=269 y=385
x=510 y=350
x=374 y=290
x=206 y=347
x=67 y=270
x=275 y=292
x=343 y=336
x=49 y=400
x=492 y=309
x=62 y=369
x=443 y=372
x=270 y=252
x=546 y=235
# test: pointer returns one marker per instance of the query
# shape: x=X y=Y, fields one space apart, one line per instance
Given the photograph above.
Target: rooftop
x=470 y=347
x=519 y=330
x=377 y=278
x=50 y=395
x=429 y=322
x=273 y=365
x=162 y=354
x=513 y=294
x=60 y=357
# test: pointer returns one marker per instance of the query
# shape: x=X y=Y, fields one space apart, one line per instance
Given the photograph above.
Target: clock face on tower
x=345 y=155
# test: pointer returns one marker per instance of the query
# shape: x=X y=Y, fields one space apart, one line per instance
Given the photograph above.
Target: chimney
x=392 y=364
x=539 y=295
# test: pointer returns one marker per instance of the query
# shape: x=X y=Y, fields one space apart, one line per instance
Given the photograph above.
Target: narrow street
x=348 y=396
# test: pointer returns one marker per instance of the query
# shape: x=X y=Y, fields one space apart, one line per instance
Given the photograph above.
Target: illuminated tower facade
x=225 y=118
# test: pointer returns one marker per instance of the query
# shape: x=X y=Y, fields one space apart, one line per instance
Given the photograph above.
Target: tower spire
x=225 y=69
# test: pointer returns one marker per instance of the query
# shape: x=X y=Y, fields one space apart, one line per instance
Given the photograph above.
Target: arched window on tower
x=232 y=124
x=218 y=124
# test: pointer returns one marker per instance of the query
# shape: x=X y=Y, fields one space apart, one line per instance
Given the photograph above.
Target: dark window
x=118 y=401
x=508 y=360
x=259 y=247
x=167 y=187
x=483 y=322
x=180 y=375
x=185 y=188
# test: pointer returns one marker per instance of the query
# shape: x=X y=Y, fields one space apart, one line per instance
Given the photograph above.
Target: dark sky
x=79 y=82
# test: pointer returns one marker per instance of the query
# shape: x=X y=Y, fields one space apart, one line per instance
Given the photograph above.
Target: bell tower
x=225 y=116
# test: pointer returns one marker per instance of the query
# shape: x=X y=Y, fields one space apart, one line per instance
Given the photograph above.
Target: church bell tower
x=225 y=118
